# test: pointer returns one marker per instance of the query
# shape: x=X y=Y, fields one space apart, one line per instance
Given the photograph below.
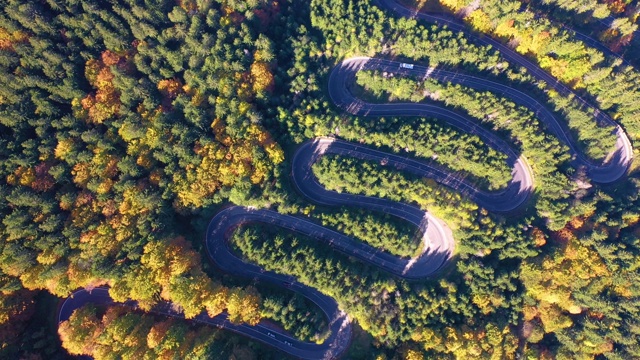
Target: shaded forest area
x=124 y=125
x=613 y=23
x=119 y=120
x=577 y=63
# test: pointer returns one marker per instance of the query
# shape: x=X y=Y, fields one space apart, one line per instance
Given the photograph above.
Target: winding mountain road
x=615 y=167
x=617 y=163
x=438 y=243
x=339 y=324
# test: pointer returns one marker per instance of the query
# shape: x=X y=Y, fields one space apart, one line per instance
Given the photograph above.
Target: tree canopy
x=126 y=125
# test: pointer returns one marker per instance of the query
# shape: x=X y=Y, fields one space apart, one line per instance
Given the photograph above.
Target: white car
x=406 y=66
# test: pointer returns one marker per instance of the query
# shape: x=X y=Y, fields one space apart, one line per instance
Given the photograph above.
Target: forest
x=125 y=126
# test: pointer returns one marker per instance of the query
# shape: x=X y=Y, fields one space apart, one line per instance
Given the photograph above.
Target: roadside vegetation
x=117 y=332
x=595 y=141
x=545 y=153
x=382 y=231
x=378 y=301
x=125 y=125
x=613 y=23
x=599 y=75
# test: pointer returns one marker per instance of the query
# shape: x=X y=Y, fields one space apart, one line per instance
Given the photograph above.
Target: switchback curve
x=616 y=164
x=438 y=239
x=336 y=343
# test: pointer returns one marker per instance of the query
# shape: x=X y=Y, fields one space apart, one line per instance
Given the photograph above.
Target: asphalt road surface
x=337 y=342
x=438 y=242
x=616 y=164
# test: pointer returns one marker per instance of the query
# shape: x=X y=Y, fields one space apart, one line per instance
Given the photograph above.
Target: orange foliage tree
x=170 y=89
x=8 y=39
x=552 y=281
x=226 y=162
x=490 y=342
x=105 y=102
x=171 y=271
x=127 y=335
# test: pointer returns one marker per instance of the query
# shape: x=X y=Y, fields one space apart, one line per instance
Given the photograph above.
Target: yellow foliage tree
x=506 y=29
x=530 y=42
x=244 y=306
x=552 y=280
x=8 y=39
x=63 y=148
x=491 y=342
x=157 y=333
x=227 y=161
x=79 y=333
x=261 y=76
x=454 y=5
x=480 y=21
x=170 y=88
x=413 y=355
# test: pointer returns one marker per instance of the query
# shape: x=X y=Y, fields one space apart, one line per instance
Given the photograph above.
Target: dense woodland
x=379 y=230
x=607 y=79
x=125 y=125
x=117 y=333
x=613 y=23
